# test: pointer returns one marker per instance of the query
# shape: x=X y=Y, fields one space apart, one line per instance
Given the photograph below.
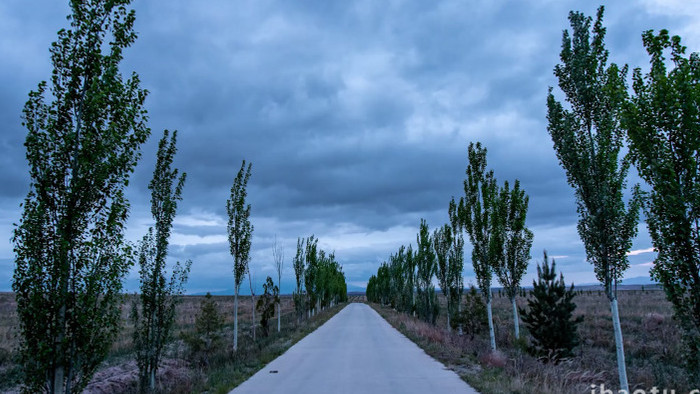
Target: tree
x=428 y=307
x=517 y=241
x=478 y=212
x=664 y=140
x=207 y=336
x=587 y=139
x=152 y=326
x=442 y=244
x=371 y=290
x=240 y=232
x=410 y=278
x=473 y=317
x=310 y=273
x=83 y=142
x=549 y=316
x=299 y=297
x=266 y=305
x=383 y=284
x=278 y=256
x=455 y=257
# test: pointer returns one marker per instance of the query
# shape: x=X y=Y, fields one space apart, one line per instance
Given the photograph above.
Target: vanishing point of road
x=356 y=351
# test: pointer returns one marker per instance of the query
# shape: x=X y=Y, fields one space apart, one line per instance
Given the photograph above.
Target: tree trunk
x=619 y=345
x=279 y=315
x=516 y=322
x=459 y=313
x=235 y=320
x=449 y=328
x=58 y=379
x=253 y=299
x=152 y=380
x=492 y=333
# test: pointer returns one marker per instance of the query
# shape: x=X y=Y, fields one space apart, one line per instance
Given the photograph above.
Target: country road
x=356 y=351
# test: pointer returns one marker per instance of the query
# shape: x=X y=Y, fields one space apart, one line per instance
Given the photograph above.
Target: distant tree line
x=494 y=220
x=320 y=281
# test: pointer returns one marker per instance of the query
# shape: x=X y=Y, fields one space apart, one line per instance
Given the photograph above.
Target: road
x=356 y=351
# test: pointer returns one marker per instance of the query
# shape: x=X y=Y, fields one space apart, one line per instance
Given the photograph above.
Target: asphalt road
x=356 y=351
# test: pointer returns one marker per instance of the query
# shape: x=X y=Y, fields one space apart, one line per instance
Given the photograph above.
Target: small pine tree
x=549 y=315
x=266 y=305
x=473 y=316
x=207 y=331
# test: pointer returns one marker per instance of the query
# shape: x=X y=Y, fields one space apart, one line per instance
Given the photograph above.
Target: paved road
x=356 y=351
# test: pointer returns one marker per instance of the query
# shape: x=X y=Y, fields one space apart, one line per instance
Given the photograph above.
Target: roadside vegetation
x=85 y=130
x=196 y=359
x=67 y=328
x=652 y=344
x=600 y=131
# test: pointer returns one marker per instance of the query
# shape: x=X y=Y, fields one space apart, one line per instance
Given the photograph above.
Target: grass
x=652 y=340
x=178 y=373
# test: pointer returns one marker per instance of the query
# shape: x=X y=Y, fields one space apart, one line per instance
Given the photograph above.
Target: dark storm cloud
x=355 y=115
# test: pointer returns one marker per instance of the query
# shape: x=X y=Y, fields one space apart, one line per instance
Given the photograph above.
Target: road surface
x=356 y=351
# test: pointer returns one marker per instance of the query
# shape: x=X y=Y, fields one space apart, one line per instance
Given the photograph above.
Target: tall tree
x=410 y=273
x=587 y=139
x=517 y=241
x=83 y=142
x=240 y=233
x=442 y=244
x=278 y=256
x=428 y=308
x=663 y=126
x=456 y=263
x=311 y=273
x=299 y=297
x=478 y=211
x=153 y=322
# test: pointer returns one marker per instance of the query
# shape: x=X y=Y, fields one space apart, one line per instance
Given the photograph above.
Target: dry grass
x=653 y=348
x=177 y=374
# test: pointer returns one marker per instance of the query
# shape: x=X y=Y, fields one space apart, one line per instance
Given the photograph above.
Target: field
x=180 y=372
x=653 y=348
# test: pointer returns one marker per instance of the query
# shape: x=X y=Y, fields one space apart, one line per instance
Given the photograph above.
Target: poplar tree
x=311 y=273
x=278 y=256
x=442 y=244
x=478 y=211
x=240 y=232
x=516 y=241
x=298 y=264
x=409 y=277
x=426 y=265
x=663 y=127
x=153 y=312
x=85 y=129
x=455 y=258
x=587 y=139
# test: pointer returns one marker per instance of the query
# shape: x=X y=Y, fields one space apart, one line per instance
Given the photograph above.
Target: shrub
x=266 y=304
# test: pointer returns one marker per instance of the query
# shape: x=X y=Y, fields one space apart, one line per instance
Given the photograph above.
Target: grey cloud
x=353 y=114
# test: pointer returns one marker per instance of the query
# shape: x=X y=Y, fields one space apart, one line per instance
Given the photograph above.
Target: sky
x=356 y=116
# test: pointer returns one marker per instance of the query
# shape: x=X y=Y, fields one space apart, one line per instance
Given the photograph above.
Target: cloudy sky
x=356 y=116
